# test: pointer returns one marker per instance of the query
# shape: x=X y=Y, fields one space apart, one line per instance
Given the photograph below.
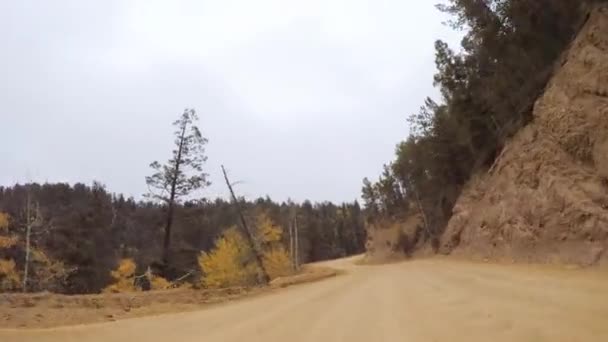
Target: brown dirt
x=385 y=239
x=45 y=310
x=439 y=299
x=546 y=197
x=308 y=275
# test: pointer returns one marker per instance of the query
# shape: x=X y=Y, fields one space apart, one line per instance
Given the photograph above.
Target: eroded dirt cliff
x=545 y=199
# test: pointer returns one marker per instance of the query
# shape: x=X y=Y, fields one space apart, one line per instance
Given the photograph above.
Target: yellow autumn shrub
x=124 y=277
x=40 y=256
x=267 y=231
x=48 y=272
x=276 y=262
x=9 y=277
x=232 y=262
x=229 y=263
x=4 y=218
x=159 y=283
x=6 y=241
x=275 y=258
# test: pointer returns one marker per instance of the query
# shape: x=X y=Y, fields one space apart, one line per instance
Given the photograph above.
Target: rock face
x=392 y=239
x=546 y=197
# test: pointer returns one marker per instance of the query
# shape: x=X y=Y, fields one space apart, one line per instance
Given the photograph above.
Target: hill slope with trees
x=88 y=231
x=489 y=88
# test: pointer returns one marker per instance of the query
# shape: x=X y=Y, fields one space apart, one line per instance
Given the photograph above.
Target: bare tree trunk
x=27 y=257
x=297 y=247
x=423 y=214
x=167 y=239
x=292 y=255
x=28 y=231
x=248 y=233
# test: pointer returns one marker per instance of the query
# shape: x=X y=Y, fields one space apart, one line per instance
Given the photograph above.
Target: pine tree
x=182 y=174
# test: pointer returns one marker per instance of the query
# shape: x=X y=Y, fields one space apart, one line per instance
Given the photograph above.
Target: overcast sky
x=299 y=99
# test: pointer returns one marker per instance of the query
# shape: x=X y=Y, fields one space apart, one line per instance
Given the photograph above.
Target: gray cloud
x=298 y=99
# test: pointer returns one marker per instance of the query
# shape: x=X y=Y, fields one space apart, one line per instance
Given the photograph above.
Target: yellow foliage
x=228 y=264
x=43 y=272
x=276 y=262
x=126 y=268
x=6 y=241
x=185 y=286
x=232 y=263
x=159 y=283
x=4 y=219
x=268 y=231
x=123 y=277
x=9 y=277
x=40 y=256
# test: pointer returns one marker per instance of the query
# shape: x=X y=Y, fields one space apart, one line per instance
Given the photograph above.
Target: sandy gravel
x=426 y=300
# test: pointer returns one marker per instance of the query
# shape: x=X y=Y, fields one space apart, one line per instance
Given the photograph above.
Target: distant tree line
x=488 y=90
x=86 y=231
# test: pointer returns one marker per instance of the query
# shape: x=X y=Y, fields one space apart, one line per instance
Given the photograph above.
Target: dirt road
x=426 y=300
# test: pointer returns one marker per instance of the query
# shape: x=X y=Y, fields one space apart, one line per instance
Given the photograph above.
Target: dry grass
x=43 y=310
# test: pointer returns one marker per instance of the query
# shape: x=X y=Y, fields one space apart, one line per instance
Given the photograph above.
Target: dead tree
x=292 y=255
x=256 y=250
x=297 y=246
x=293 y=241
x=33 y=219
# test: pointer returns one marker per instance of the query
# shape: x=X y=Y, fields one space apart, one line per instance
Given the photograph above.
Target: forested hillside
x=80 y=233
x=488 y=88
